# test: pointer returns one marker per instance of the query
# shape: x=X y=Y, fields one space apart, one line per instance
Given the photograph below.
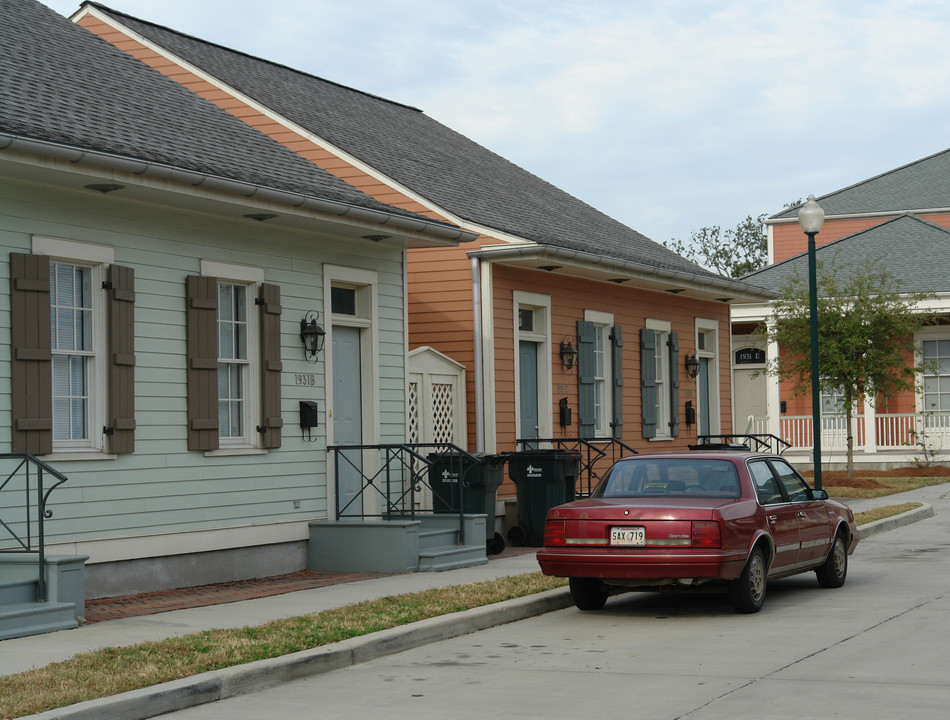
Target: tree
x=733 y=252
x=865 y=337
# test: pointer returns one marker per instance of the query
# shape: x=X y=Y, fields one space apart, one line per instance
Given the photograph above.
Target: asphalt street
x=875 y=648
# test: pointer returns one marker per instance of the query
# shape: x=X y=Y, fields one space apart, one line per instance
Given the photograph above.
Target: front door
x=750 y=390
x=528 y=390
x=348 y=419
x=702 y=390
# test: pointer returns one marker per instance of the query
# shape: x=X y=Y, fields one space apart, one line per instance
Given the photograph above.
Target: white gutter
x=58 y=151
x=724 y=284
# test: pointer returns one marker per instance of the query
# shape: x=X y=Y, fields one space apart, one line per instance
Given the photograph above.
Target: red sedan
x=698 y=519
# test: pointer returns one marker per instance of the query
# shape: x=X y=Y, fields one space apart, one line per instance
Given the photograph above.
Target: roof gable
x=915 y=251
x=435 y=162
x=64 y=86
x=918 y=186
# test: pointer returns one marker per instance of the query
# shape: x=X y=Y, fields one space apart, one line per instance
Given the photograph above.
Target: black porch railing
x=758 y=443
x=23 y=518
x=388 y=481
x=597 y=455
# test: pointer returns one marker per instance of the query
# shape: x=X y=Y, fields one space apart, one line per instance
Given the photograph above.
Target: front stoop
x=396 y=545
x=34 y=618
x=20 y=612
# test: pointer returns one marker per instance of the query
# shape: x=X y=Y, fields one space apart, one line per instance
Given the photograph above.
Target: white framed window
x=661 y=360
x=77 y=342
x=238 y=356
x=603 y=371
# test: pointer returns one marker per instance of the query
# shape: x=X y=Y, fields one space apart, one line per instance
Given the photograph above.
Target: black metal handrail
x=402 y=471
x=32 y=468
x=760 y=442
x=596 y=455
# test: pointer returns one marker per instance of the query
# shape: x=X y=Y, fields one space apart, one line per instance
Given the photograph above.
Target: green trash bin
x=480 y=478
x=543 y=479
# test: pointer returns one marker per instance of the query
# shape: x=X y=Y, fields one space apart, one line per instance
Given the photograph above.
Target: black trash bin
x=481 y=478
x=543 y=479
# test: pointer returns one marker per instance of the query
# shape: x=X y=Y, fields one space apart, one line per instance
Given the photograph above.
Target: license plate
x=628 y=536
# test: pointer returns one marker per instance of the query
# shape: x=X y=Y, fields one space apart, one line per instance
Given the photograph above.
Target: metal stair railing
x=395 y=479
x=29 y=535
x=759 y=442
x=597 y=455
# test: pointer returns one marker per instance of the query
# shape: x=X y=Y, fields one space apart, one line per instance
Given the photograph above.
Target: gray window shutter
x=271 y=420
x=674 y=384
x=31 y=393
x=202 y=339
x=648 y=399
x=616 y=337
x=586 y=366
x=121 y=418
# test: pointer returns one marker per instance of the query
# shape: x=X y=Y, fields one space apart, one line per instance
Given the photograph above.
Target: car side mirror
x=819 y=495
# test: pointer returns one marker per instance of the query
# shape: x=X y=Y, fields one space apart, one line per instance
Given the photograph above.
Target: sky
x=668 y=115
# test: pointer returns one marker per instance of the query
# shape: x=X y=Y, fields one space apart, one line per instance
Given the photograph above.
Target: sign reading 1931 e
x=750 y=356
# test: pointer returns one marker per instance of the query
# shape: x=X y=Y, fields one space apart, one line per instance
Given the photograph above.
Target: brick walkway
x=164 y=600
x=181 y=598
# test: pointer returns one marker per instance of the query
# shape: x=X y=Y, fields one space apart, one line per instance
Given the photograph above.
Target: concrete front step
x=437 y=538
x=14 y=591
x=33 y=618
x=450 y=557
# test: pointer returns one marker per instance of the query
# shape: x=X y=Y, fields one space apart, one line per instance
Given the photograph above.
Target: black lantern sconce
x=692 y=366
x=568 y=354
x=312 y=336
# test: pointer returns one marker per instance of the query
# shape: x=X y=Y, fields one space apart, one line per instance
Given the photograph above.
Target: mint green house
x=159 y=260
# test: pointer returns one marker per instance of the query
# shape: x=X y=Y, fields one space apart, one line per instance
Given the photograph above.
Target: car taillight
x=554 y=533
x=706 y=534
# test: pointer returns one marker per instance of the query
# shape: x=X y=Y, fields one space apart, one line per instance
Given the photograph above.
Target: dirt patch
x=866 y=478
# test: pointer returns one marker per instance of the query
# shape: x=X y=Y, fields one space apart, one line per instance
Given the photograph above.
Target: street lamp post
x=811 y=217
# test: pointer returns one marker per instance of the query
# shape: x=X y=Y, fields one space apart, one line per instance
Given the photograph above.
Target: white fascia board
x=269 y=113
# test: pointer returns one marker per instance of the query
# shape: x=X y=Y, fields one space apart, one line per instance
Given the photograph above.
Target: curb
x=906 y=518
x=262 y=674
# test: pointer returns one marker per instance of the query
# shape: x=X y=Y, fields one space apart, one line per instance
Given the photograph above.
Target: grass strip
x=867 y=516
x=114 y=670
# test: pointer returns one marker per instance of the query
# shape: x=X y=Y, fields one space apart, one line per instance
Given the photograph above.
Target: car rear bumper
x=607 y=563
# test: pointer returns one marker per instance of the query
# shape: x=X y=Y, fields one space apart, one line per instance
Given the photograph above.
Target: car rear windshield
x=670 y=477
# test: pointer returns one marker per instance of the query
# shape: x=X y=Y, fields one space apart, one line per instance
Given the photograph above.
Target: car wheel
x=588 y=593
x=748 y=592
x=834 y=571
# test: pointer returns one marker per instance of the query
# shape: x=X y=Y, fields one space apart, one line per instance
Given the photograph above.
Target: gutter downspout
x=477 y=347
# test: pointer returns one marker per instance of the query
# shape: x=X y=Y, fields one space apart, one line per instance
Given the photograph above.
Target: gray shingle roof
x=920 y=185
x=433 y=160
x=915 y=251
x=63 y=85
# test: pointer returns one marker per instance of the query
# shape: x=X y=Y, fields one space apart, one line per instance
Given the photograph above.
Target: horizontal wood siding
x=630 y=308
x=162 y=487
x=789 y=240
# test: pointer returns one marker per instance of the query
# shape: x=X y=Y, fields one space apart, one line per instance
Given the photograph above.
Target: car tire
x=588 y=593
x=834 y=571
x=748 y=592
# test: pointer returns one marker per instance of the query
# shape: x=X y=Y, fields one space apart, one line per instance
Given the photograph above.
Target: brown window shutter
x=121 y=419
x=271 y=420
x=31 y=374
x=202 y=339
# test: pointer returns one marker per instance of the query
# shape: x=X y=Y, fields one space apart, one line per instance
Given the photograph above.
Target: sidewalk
x=125 y=621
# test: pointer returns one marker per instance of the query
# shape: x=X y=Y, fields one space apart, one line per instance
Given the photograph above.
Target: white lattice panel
x=413 y=403
x=443 y=413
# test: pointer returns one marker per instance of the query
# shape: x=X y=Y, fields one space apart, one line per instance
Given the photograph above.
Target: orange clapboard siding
x=789 y=240
x=274 y=129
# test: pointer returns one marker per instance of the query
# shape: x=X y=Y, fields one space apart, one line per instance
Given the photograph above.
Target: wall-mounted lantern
x=312 y=336
x=692 y=366
x=568 y=354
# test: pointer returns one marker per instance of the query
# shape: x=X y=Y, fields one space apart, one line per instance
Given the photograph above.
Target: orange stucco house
x=900 y=218
x=488 y=320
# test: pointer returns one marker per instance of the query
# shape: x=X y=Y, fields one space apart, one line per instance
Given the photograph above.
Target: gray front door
x=528 y=392
x=347 y=418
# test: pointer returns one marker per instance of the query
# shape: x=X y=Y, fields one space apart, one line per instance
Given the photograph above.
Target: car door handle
x=801 y=515
x=773 y=518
